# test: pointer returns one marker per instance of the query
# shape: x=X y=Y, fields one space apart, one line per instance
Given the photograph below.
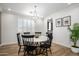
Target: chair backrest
x=28 y=39
x=18 y=38
x=50 y=37
x=38 y=33
x=26 y=32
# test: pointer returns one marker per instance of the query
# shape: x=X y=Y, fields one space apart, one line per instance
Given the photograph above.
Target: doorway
x=50 y=25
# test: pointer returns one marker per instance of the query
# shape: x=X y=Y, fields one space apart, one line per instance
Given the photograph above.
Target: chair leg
x=35 y=52
x=24 y=50
x=19 y=50
x=32 y=52
x=40 y=51
x=50 y=50
x=46 y=52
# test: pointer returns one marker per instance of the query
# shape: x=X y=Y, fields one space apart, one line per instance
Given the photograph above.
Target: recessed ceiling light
x=9 y=9
x=69 y=3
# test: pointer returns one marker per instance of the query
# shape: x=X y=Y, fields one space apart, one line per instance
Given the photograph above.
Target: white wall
x=9 y=28
x=0 y=27
x=61 y=34
x=39 y=25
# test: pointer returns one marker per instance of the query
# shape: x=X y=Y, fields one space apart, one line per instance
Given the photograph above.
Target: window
x=25 y=25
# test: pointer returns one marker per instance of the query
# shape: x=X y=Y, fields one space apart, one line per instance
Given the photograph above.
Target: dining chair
x=28 y=42
x=37 y=34
x=45 y=46
x=20 y=42
x=26 y=32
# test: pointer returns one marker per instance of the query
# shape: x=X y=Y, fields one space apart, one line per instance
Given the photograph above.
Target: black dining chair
x=26 y=32
x=45 y=46
x=29 y=45
x=20 y=42
x=37 y=34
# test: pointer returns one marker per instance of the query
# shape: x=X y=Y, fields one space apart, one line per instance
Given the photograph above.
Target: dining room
x=37 y=29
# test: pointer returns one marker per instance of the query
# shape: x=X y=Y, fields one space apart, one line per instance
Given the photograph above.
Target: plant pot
x=75 y=50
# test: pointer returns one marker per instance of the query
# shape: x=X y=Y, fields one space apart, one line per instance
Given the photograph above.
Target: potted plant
x=74 y=37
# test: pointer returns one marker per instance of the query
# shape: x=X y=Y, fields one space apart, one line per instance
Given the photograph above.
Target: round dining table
x=40 y=39
x=37 y=40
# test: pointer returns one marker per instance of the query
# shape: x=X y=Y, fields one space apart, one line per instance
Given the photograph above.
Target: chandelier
x=35 y=15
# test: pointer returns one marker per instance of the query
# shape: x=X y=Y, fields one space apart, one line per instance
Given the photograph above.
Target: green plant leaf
x=74 y=33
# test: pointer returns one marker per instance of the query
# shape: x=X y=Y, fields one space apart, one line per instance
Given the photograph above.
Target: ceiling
x=43 y=9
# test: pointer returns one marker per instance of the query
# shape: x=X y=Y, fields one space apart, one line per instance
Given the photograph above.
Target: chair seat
x=45 y=46
x=30 y=48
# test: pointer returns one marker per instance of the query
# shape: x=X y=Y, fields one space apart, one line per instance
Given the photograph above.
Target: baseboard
x=61 y=44
x=16 y=43
x=8 y=43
